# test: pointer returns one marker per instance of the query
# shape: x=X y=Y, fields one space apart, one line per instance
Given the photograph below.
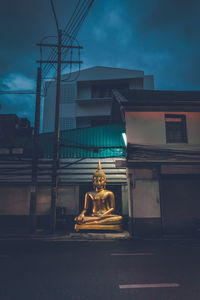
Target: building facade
x=86 y=96
x=163 y=160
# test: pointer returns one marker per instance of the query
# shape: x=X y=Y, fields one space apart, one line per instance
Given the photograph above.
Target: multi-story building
x=86 y=97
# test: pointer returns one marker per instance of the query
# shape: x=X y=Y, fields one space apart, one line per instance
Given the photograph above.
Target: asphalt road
x=37 y=270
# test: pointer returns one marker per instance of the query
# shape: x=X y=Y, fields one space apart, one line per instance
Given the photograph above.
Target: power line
x=53 y=54
x=70 y=33
x=71 y=30
x=23 y=92
x=54 y=13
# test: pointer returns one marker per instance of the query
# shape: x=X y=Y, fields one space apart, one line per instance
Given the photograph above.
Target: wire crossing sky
x=160 y=37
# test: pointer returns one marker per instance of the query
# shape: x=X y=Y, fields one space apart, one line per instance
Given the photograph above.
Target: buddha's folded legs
x=111 y=219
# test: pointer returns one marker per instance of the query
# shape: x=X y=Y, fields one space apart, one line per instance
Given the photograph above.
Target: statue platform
x=114 y=227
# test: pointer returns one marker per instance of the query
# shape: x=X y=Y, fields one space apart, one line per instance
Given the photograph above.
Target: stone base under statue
x=115 y=227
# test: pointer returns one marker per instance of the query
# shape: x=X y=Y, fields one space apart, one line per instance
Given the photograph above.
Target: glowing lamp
x=124 y=138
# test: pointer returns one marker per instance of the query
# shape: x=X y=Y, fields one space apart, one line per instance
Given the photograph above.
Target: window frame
x=182 y=138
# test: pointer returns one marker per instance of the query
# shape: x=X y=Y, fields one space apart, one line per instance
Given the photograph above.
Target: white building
x=163 y=160
x=86 y=101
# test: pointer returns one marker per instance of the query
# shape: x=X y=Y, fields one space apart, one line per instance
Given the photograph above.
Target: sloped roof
x=156 y=97
x=105 y=73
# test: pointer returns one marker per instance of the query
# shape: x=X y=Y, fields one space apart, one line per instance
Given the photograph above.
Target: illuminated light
x=125 y=138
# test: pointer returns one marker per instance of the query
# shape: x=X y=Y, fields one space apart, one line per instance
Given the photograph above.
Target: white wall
x=145 y=128
x=49 y=109
x=68 y=93
x=67 y=105
x=68 y=110
x=84 y=92
x=149 y=127
x=125 y=200
x=146 y=200
x=193 y=127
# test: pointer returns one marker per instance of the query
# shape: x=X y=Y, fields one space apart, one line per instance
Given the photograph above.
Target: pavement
x=127 y=269
x=60 y=235
x=21 y=233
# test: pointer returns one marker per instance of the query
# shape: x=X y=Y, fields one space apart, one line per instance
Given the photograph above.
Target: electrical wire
x=25 y=92
x=67 y=32
x=54 y=13
x=68 y=36
x=71 y=29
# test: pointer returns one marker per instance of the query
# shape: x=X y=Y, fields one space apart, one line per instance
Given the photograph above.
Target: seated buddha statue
x=99 y=206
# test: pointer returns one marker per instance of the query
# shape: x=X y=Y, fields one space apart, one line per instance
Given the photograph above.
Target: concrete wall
x=68 y=196
x=67 y=105
x=149 y=127
x=125 y=200
x=148 y=82
x=145 y=193
x=144 y=202
x=136 y=83
x=15 y=200
x=94 y=109
x=68 y=92
x=84 y=92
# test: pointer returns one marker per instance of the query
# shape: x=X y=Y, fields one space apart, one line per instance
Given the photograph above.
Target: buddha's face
x=99 y=182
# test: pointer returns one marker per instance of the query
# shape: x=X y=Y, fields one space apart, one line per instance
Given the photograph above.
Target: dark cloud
x=24 y=23
x=158 y=36
x=173 y=28
x=22 y=106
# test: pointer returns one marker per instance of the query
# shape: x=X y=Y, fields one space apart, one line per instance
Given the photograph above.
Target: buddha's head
x=99 y=179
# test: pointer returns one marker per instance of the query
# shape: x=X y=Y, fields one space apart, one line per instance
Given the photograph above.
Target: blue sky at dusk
x=160 y=37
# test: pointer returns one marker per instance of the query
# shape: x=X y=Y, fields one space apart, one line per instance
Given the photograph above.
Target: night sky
x=160 y=37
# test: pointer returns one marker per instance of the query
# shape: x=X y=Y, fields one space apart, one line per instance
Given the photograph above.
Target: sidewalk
x=60 y=235
x=14 y=233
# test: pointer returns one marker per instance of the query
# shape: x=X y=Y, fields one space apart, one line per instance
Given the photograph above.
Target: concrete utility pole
x=34 y=186
x=54 y=183
x=55 y=166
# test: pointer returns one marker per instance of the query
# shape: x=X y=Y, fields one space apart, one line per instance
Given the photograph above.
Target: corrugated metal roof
x=71 y=171
x=92 y=142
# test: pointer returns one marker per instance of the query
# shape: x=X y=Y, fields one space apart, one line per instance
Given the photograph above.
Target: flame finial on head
x=99 y=171
x=99 y=166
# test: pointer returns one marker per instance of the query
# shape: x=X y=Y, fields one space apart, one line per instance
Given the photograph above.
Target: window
x=175 y=128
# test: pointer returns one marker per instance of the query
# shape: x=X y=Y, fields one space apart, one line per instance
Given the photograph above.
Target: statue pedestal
x=116 y=227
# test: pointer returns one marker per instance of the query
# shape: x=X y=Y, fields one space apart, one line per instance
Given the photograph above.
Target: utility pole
x=54 y=183
x=34 y=185
x=55 y=164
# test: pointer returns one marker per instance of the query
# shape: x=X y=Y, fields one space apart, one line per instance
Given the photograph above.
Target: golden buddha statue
x=102 y=202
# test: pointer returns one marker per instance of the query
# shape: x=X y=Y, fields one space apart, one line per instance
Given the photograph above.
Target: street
x=137 y=269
